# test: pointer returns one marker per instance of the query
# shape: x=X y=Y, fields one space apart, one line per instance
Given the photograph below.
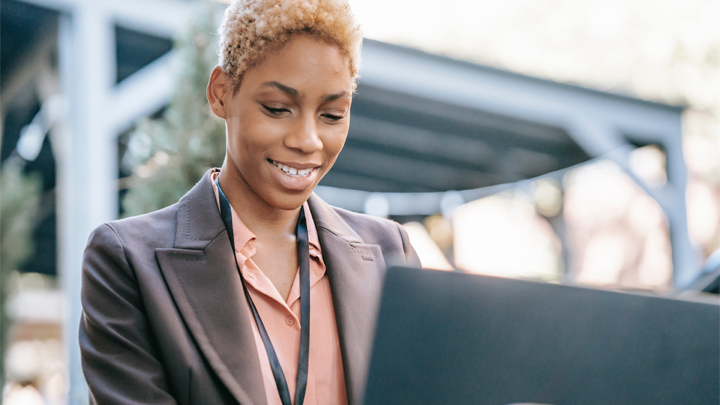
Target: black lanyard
x=303 y=248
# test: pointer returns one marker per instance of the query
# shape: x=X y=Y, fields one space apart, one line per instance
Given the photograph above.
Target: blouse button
x=290 y=320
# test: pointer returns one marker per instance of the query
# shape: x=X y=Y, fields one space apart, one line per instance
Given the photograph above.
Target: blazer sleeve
x=411 y=257
x=119 y=360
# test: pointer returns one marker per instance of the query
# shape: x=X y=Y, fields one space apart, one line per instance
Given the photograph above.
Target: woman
x=250 y=289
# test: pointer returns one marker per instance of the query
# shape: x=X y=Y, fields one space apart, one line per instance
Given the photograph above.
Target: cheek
x=250 y=134
x=334 y=142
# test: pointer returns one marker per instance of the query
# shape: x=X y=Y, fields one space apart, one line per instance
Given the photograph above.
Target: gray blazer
x=165 y=320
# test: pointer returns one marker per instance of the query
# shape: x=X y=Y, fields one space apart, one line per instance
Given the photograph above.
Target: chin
x=287 y=201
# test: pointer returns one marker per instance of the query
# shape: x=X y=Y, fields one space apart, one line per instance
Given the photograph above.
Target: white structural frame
x=98 y=111
x=603 y=124
x=86 y=145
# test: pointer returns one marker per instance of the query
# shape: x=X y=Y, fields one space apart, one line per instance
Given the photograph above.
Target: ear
x=218 y=87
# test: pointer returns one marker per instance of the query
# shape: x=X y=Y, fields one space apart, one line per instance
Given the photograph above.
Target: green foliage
x=170 y=154
x=19 y=201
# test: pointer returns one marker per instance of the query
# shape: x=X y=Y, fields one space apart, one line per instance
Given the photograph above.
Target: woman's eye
x=333 y=117
x=275 y=111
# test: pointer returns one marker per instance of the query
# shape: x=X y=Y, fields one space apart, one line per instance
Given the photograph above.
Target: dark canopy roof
x=404 y=143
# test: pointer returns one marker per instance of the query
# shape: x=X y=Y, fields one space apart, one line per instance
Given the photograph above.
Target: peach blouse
x=326 y=381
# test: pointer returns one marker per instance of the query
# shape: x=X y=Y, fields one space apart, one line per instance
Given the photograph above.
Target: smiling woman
x=286 y=123
x=250 y=289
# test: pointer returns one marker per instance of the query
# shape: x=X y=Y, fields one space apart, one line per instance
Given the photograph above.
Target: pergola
x=425 y=128
x=424 y=125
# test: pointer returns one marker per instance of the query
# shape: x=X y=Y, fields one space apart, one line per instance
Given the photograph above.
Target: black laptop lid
x=452 y=338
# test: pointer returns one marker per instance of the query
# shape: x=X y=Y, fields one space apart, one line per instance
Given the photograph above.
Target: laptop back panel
x=452 y=338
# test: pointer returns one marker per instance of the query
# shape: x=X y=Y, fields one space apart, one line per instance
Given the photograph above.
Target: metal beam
x=386 y=103
x=339 y=177
x=157 y=17
x=600 y=123
x=146 y=91
x=402 y=169
x=84 y=143
x=485 y=89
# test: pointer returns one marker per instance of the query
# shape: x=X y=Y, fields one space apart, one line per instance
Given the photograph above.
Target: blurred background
x=567 y=141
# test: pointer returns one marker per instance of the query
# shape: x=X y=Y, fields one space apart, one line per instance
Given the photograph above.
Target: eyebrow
x=331 y=97
x=285 y=89
x=294 y=93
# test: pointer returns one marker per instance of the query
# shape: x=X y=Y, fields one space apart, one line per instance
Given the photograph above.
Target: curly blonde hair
x=251 y=28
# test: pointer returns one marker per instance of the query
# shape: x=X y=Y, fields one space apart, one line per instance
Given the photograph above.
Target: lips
x=295 y=170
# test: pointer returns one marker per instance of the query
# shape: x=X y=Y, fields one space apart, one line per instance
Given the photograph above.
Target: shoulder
x=118 y=251
x=361 y=228
x=371 y=229
x=352 y=226
x=152 y=230
x=389 y=235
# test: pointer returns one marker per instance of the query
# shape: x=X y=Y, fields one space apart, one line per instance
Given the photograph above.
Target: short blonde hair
x=253 y=27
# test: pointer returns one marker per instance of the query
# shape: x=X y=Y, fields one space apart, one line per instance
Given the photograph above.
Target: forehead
x=305 y=63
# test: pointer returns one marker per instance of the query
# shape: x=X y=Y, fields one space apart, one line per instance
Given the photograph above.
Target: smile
x=291 y=171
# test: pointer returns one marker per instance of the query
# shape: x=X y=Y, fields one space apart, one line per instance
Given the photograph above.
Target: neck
x=258 y=216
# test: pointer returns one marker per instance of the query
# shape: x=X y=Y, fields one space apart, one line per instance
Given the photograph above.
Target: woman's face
x=288 y=121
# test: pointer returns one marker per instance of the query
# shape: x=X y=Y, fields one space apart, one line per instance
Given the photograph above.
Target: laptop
x=454 y=338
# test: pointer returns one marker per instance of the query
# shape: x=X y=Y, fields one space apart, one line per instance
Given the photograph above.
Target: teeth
x=291 y=171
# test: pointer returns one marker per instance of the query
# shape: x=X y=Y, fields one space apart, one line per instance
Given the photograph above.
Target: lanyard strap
x=303 y=248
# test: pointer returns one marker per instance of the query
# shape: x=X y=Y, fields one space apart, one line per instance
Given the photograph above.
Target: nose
x=304 y=136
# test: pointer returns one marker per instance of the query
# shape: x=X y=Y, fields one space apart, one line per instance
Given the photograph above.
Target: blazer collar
x=198 y=217
x=356 y=271
x=327 y=218
x=202 y=277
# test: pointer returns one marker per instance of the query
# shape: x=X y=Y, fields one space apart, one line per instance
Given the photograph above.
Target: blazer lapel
x=355 y=271
x=202 y=277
